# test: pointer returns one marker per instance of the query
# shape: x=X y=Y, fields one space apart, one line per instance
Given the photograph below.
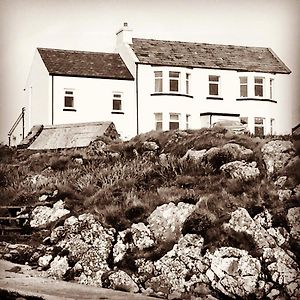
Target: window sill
x=256 y=99
x=214 y=98
x=115 y=112
x=69 y=109
x=172 y=94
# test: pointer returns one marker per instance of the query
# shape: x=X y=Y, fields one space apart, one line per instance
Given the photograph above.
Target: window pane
x=158 y=126
x=244 y=91
x=117 y=96
x=259 y=131
x=158 y=73
x=158 y=85
x=69 y=101
x=158 y=117
x=243 y=80
x=259 y=90
x=258 y=121
x=117 y=104
x=69 y=92
x=213 y=89
x=174 y=85
x=213 y=78
x=174 y=74
x=173 y=125
x=174 y=117
x=258 y=80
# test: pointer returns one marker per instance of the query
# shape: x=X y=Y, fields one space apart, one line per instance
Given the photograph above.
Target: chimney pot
x=125 y=24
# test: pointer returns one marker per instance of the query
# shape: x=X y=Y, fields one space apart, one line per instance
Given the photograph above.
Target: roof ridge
x=77 y=51
x=201 y=43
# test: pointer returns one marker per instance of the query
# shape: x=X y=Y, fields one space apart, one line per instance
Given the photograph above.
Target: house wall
x=38 y=91
x=200 y=102
x=93 y=98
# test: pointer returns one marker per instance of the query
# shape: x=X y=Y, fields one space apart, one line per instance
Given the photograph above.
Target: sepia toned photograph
x=149 y=149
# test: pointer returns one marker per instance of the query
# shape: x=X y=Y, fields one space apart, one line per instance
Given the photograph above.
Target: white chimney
x=124 y=35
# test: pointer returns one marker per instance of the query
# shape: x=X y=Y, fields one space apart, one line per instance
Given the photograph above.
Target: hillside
x=177 y=215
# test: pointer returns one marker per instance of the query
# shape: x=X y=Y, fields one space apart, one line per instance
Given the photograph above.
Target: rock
x=44 y=261
x=58 y=267
x=280 y=181
x=150 y=146
x=234 y=272
x=264 y=219
x=120 y=280
x=279 y=234
x=293 y=217
x=284 y=194
x=238 y=152
x=43 y=198
x=240 y=170
x=138 y=237
x=283 y=270
x=44 y=215
x=78 y=160
x=195 y=155
x=166 y=221
x=276 y=155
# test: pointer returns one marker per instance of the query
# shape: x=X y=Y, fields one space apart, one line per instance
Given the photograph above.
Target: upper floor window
x=214 y=85
x=117 y=102
x=258 y=86
x=174 y=78
x=271 y=88
x=158 y=81
x=187 y=82
x=158 y=121
x=243 y=87
x=69 y=99
x=174 y=121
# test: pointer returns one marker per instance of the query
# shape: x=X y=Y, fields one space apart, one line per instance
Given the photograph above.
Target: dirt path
x=26 y=282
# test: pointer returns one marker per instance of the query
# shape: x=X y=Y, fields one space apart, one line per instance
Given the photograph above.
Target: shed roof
x=84 y=64
x=212 y=56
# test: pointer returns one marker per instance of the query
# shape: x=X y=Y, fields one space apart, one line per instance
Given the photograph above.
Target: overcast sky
x=92 y=24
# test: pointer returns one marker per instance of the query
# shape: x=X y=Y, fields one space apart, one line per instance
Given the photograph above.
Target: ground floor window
x=174 y=121
x=187 y=121
x=117 y=101
x=272 y=126
x=158 y=121
x=69 y=99
x=259 y=126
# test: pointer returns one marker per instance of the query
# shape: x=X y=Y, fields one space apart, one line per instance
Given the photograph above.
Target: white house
x=157 y=85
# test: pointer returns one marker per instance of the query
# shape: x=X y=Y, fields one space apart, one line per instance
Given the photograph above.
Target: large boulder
x=276 y=155
x=238 y=152
x=195 y=155
x=138 y=237
x=241 y=170
x=58 y=267
x=120 y=280
x=234 y=272
x=43 y=215
x=166 y=221
x=293 y=217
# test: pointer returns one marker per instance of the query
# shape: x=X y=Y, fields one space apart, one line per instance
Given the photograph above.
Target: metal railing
x=20 y=118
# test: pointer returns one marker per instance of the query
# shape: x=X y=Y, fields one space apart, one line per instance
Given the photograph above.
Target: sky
x=91 y=25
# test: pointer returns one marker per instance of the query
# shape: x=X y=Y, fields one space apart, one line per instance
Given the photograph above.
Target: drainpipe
x=52 y=96
x=137 y=98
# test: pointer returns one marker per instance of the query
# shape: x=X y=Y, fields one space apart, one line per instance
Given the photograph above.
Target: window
x=158 y=75
x=187 y=83
x=117 y=101
x=214 y=82
x=243 y=87
x=259 y=86
x=69 y=99
x=272 y=126
x=187 y=121
x=271 y=87
x=158 y=121
x=259 y=126
x=174 y=81
x=174 y=121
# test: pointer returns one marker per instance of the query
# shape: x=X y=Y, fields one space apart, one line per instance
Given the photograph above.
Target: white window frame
x=177 y=121
x=272 y=126
x=174 y=78
x=188 y=83
x=258 y=125
x=214 y=82
x=259 y=84
x=158 y=118
x=271 y=88
x=69 y=93
x=187 y=121
x=158 y=79
x=243 y=84
x=117 y=96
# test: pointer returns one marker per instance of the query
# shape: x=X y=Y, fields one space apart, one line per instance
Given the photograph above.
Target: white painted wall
x=93 y=102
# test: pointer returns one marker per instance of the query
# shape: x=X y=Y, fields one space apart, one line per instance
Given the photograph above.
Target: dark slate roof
x=212 y=56
x=84 y=64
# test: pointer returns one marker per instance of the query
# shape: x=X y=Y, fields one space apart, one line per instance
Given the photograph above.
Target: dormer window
x=174 y=78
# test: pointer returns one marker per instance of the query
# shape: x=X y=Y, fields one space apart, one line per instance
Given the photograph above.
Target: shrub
x=60 y=163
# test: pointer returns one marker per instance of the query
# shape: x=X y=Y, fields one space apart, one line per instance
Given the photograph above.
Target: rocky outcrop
x=195 y=155
x=240 y=170
x=238 y=152
x=166 y=221
x=120 y=280
x=44 y=215
x=276 y=155
x=293 y=217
